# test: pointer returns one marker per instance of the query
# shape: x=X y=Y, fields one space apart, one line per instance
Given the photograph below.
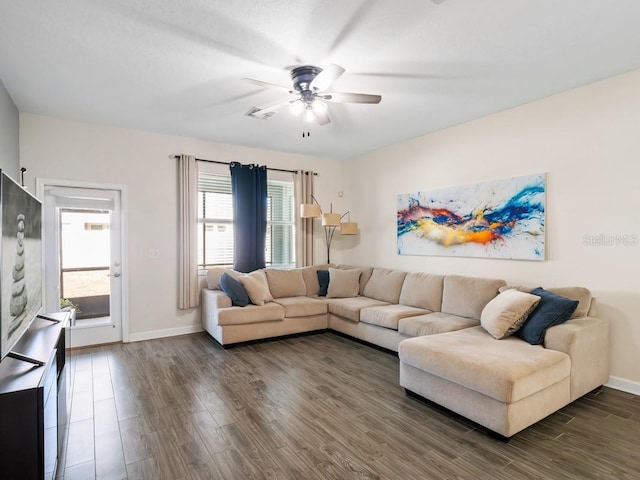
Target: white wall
x=587 y=141
x=60 y=149
x=9 y=135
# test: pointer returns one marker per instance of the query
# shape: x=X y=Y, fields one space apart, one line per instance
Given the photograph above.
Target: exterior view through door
x=84 y=264
x=83 y=260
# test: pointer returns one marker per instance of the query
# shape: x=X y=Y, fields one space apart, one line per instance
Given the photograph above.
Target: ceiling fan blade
x=268 y=110
x=326 y=77
x=262 y=84
x=323 y=119
x=343 y=97
x=352 y=24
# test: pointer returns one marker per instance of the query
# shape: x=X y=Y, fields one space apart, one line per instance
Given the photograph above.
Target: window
x=280 y=242
x=215 y=222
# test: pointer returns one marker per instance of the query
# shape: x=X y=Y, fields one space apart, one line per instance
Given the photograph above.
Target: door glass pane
x=85 y=259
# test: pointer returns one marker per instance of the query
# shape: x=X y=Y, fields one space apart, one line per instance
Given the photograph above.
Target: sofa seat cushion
x=388 y=316
x=302 y=306
x=507 y=370
x=250 y=314
x=433 y=323
x=349 y=308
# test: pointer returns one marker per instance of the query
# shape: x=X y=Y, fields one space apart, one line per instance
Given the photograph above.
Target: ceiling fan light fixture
x=319 y=107
x=296 y=107
x=309 y=115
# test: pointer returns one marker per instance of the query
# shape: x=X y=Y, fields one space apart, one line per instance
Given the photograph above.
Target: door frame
x=42 y=183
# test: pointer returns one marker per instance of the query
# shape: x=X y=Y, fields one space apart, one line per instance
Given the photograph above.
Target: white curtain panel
x=304 y=226
x=188 y=291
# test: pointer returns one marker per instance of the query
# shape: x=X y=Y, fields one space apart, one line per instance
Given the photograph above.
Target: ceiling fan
x=311 y=87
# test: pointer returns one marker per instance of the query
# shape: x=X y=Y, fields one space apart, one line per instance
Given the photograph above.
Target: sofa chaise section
x=504 y=385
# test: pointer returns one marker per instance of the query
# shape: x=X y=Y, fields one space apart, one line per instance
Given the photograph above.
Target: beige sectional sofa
x=433 y=322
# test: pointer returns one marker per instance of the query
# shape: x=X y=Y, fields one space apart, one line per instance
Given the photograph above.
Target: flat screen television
x=21 y=258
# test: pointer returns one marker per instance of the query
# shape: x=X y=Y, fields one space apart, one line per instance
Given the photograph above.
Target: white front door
x=83 y=258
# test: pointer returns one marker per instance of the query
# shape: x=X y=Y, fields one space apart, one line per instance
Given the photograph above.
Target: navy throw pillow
x=323 y=280
x=235 y=290
x=551 y=310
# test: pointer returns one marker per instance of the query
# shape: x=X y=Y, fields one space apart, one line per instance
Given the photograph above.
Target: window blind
x=215 y=222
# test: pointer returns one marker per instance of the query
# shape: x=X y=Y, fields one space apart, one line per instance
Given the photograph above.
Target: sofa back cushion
x=286 y=283
x=581 y=294
x=422 y=290
x=365 y=275
x=586 y=302
x=310 y=275
x=385 y=284
x=467 y=296
x=214 y=274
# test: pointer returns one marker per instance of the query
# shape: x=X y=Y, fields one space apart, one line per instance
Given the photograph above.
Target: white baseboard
x=169 y=332
x=624 y=385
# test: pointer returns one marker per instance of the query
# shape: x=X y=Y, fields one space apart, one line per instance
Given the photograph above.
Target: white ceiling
x=175 y=66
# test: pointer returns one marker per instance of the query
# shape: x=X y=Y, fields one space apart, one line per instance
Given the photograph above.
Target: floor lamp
x=330 y=222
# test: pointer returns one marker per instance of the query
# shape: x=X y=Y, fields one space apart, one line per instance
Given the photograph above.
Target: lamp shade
x=309 y=210
x=331 y=220
x=349 y=228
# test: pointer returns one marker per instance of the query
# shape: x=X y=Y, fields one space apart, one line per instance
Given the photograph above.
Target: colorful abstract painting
x=498 y=219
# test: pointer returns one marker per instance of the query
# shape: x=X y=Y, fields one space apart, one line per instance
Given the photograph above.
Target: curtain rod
x=229 y=163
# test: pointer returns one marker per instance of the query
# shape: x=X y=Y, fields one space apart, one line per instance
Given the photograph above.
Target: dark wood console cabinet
x=33 y=402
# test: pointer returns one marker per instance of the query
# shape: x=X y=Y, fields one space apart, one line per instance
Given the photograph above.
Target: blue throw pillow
x=323 y=280
x=235 y=290
x=552 y=310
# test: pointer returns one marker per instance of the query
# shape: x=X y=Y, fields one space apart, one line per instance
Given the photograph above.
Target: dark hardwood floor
x=310 y=408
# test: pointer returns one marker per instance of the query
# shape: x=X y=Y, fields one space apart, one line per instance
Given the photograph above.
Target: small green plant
x=66 y=304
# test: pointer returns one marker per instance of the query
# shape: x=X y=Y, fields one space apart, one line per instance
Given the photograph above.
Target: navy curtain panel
x=249 y=190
